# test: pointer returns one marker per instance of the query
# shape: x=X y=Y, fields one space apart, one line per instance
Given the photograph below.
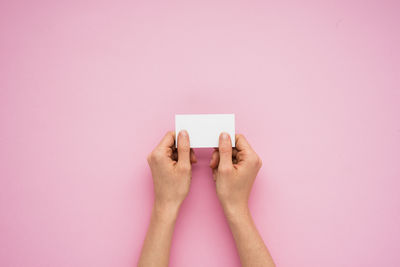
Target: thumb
x=225 y=150
x=183 y=148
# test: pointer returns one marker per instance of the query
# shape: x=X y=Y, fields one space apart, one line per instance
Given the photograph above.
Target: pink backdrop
x=88 y=88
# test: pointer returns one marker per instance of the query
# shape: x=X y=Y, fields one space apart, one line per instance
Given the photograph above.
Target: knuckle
x=184 y=149
x=240 y=138
x=148 y=158
x=156 y=156
x=224 y=149
x=257 y=162
x=224 y=169
x=185 y=167
x=255 y=159
x=260 y=163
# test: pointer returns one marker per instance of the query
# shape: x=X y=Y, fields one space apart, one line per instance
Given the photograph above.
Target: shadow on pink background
x=88 y=88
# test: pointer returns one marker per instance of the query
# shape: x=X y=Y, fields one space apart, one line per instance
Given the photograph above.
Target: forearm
x=156 y=247
x=251 y=248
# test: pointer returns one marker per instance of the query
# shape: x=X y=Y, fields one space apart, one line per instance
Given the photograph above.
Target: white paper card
x=204 y=129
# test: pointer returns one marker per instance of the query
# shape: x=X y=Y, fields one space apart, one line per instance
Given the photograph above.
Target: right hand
x=234 y=171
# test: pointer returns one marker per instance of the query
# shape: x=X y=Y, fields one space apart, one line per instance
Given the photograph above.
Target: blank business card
x=204 y=129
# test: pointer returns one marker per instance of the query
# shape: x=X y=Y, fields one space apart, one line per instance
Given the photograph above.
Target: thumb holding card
x=225 y=151
x=184 y=149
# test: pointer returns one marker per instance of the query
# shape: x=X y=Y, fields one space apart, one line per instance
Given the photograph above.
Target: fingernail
x=225 y=136
x=184 y=133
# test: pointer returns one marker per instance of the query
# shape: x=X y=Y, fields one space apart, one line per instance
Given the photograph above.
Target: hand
x=234 y=171
x=171 y=170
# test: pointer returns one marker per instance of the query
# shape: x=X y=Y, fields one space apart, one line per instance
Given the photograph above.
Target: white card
x=204 y=129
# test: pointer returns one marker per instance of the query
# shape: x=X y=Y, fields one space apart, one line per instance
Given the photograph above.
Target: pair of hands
x=234 y=171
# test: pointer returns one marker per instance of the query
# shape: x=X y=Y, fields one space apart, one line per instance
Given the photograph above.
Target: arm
x=234 y=172
x=171 y=178
x=251 y=247
x=156 y=247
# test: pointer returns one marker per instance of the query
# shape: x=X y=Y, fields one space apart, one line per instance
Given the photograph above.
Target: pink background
x=88 y=88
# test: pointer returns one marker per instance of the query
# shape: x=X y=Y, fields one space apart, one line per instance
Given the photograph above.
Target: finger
x=175 y=156
x=183 y=148
x=193 y=158
x=214 y=172
x=214 y=159
x=234 y=152
x=225 y=150
x=240 y=156
x=243 y=158
x=168 y=140
x=241 y=143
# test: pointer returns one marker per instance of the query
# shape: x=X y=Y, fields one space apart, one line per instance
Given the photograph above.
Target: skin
x=234 y=171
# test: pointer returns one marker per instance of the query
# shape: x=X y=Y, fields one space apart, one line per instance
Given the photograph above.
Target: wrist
x=236 y=211
x=165 y=211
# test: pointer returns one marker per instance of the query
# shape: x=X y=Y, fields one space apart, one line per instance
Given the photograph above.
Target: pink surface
x=88 y=88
